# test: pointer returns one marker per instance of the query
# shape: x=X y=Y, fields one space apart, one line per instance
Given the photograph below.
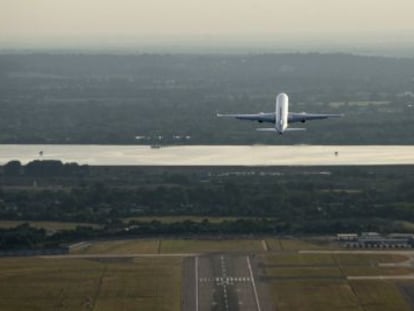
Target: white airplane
x=281 y=117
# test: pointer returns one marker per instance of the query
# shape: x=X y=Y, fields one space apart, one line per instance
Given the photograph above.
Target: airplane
x=281 y=117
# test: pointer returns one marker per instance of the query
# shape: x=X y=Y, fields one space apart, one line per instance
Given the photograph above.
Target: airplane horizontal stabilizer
x=266 y=129
x=221 y=115
x=295 y=129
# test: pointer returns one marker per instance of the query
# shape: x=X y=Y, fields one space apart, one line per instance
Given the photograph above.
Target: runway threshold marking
x=256 y=296
x=196 y=283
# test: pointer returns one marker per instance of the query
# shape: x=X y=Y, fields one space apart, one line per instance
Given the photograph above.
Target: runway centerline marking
x=224 y=283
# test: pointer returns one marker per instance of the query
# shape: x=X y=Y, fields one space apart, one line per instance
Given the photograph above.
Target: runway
x=256 y=155
x=222 y=282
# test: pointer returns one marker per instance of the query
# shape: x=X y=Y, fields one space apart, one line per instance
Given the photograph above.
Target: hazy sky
x=85 y=18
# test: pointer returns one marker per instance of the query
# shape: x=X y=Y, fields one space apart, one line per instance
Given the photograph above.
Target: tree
x=12 y=168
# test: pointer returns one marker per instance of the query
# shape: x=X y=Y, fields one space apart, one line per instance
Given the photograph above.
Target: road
x=211 y=155
x=223 y=283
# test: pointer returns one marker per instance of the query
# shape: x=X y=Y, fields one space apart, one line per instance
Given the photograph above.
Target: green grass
x=296 y=244
x=369 y=264
x=292 y=244
x=274 y=244
x=379 y=296
x=367 y=259
x=313 y=295
x=396 y=270
x=319 y=281
x=350 y=264
x=142 y=246
x=303 y=272
x=174 y=219
x=154 y=246
x=296 y=281
x=72 y=284
x=320 y=295
x=202 y=246
x=299 y=259
x=375 y=270
x=362 y=270
x=47 y=225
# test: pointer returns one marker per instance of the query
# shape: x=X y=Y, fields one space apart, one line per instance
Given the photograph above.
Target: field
x=320 y=295
x=313 y=295
x=194 y=246
x=173 y=219
x=141 y=246
x=73 y=284
x=153 y=246
x=47 y=225
x=320 y=280
x=285 y=244
x=168 y=246
x=378 y=295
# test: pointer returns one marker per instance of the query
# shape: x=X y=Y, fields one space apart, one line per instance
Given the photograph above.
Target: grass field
x=141 y=246
x=296 y=281
x=378 y=296
x=173 y=219
x=320 y=281
x=47 y=225
x=285 y=244
x=288 y=259
x=195 y=246
x=362 y=259
x=303 y=272
x=72 y=284
x=314 y=295
x=154 y=246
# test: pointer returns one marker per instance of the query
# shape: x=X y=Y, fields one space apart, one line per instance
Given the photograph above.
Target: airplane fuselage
x=281 y=112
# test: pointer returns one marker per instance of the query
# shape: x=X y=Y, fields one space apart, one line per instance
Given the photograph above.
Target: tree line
x=267 y=200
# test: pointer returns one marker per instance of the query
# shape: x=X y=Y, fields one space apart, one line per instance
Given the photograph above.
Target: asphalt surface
x=222 y=283
x=223 y=155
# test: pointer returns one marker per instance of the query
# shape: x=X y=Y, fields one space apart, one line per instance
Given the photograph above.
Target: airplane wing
x=274 y=130
x=270 y=116
x=303 y=116
x=260 y=117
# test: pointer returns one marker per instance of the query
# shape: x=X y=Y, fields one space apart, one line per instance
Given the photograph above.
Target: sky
x=33 y=20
